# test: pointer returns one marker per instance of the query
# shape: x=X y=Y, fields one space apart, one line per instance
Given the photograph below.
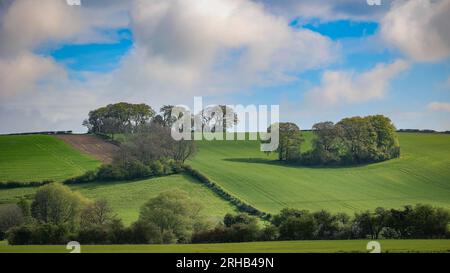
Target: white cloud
x=340 y=87
x=419 y=28
x=439 y=106
x=224 y=41
x=327 y=10
x=23 y=72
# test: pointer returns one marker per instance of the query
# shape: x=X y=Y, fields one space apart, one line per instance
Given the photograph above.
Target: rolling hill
x=126 y=198
x=41 y=157
x=421 y=175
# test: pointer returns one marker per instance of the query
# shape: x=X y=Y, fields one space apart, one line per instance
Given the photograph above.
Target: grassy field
x=40 y=157
x=126 y=198
x=255 y=247
x=421 y=175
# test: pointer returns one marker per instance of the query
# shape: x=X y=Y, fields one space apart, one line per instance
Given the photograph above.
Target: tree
x=118 y=118
x=387 y=142
x=98 y=213
x=183 y=149
x=429 y=222
x=10 y=216
x=218 y=117
x=290 y=140
x=328 y=145
x=166 y=114
x=154 y=142
x=57 y=204
x=173 y=213
x=298 y=228
x=359 y=137
x=326 y=224
x=372 y=224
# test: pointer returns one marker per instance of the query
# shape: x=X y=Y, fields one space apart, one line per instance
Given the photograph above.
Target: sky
x=319 y=60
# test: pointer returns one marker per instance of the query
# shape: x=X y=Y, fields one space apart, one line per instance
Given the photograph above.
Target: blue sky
x=316 y=65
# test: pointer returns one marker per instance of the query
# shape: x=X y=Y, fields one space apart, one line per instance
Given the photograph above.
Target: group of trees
x=57 y=215
x=128 y=118
x=418 y=222
x=353 y=140
x=118 y=118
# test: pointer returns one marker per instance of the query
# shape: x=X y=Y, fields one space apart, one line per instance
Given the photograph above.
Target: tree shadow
x=293 y=164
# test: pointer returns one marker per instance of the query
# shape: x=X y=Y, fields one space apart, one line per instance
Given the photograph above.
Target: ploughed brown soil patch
x=91 y=145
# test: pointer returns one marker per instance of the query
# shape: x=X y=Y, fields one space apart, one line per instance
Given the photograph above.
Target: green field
x=40 y=157
x=126 y=198
x=421 y=175
x=255 y=247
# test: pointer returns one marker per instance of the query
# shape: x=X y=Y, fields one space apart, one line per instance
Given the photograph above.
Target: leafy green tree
x=326 y=224
x=118 y=118
x=57 y=204
x=290 y=140
x=298 y=228
x=173 y=213
x=359 y=137
x=328 y=145
x=386 y=138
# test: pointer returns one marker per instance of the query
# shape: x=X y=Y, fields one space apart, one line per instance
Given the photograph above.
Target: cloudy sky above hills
x=319 y=60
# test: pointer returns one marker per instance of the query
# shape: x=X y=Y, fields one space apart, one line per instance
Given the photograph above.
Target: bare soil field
x=91 y=145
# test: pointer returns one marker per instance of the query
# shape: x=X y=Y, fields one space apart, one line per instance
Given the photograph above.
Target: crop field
x=40 y=157
x=393 y=246
x=421 y=175
x=126 y=198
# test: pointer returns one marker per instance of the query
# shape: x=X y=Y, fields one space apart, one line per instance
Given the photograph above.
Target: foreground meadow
x=348 y=246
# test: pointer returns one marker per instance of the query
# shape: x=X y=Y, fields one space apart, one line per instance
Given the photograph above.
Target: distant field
x=421 y=175
x=255 y=247
x=40 y=157
x=126 y=198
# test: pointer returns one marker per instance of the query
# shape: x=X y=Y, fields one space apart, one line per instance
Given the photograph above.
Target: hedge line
x=16 y=184
x=241 y=205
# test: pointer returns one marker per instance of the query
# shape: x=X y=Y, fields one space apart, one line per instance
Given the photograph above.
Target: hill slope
x=421 y=175
x=126 y=198
x=40 y=157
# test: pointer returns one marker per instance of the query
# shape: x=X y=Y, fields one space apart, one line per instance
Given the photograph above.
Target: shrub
x=16 y=184
x=21 y=235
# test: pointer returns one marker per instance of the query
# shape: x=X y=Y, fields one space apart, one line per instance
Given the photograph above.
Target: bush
x=128 y=170
x=49 y=234
x=16 y=184
x=235 y=228
x=94 y=235
x=40 y=234
x=21 y=235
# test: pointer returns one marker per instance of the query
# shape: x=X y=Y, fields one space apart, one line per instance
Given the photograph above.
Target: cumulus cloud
x=340 y=87
x=419 y=28
x=224 y=39
x=24 y=71
x=326 y=10
x=439 y=106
